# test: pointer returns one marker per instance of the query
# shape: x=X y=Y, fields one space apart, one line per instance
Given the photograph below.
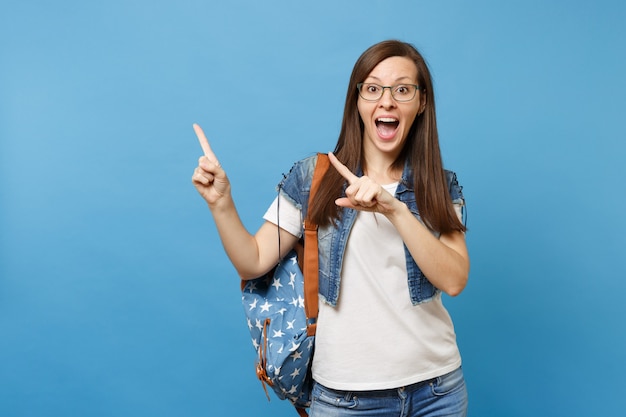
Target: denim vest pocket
x=324 y=240
x=420 y=288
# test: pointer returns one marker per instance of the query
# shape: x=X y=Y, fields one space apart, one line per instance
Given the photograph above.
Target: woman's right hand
x=252 y=256
x=209 y=178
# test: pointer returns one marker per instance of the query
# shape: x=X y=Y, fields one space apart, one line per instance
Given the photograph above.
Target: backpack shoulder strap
x=311 y=259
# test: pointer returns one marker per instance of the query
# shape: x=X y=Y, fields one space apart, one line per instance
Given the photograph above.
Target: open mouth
x=386 y=126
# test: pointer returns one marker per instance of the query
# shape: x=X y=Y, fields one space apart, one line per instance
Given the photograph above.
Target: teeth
x=387 y=119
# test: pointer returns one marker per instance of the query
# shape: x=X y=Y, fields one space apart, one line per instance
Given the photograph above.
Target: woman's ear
x=422 y=104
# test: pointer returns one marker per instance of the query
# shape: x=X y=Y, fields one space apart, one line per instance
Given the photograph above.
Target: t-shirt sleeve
x=458 y=208
x=285 y=215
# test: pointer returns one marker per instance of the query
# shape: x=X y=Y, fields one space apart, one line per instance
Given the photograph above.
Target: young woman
x=391 y=240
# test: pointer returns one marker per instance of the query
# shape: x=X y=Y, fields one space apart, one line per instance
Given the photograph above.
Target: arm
x=251 y=255
x=445 y=261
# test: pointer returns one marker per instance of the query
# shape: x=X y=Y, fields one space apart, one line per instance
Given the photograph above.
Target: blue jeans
x=442 y=396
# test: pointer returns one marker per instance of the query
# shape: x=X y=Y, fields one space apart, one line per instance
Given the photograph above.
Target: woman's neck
x=380 y=169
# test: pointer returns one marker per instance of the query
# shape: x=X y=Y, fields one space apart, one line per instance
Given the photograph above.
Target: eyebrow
x=396 y=80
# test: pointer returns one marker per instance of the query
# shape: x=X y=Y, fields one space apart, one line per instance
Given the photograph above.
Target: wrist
x=222 y=204
x=397 y=211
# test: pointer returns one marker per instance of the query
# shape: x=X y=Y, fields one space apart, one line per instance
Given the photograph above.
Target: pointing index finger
x=343 y=170
x=208 y=152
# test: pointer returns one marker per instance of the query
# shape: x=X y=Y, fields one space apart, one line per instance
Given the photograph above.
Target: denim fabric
x=445 y=395
x=334 y=237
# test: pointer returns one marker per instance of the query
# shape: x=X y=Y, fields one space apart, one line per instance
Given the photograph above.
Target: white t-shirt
x=375 y=338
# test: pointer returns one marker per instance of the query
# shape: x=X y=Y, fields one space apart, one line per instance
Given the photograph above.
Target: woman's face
x=387 y=121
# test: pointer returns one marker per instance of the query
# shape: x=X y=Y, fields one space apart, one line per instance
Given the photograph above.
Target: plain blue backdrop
x=116 y=298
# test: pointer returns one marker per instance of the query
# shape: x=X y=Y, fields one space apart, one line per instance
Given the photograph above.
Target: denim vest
x=333 y=238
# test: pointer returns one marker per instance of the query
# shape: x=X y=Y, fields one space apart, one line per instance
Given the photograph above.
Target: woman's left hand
x=363 y=193
x=443 y=260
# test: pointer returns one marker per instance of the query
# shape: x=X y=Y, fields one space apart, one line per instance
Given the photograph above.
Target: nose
x=387 y=100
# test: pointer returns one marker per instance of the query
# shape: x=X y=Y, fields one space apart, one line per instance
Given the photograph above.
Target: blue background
x=116 y=298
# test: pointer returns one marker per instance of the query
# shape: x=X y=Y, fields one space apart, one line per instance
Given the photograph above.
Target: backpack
x=281 y=309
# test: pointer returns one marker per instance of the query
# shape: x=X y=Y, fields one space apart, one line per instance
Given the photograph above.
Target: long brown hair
x=421 y=147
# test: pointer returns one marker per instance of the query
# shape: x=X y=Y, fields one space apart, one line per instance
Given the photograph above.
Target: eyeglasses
x=400 y=92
